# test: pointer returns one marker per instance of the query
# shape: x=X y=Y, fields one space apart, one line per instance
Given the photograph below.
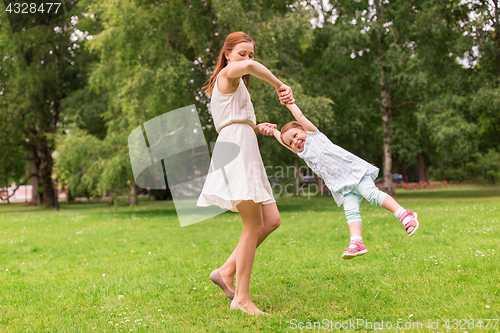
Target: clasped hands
x=286 y=97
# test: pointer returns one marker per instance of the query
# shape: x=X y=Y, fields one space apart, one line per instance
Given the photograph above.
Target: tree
x=41 y=70
x=482 y=27
x=161 y=58
x=375 y=59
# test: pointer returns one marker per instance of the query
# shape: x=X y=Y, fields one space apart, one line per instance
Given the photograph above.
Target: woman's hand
x=285 y=94
x=266 y=128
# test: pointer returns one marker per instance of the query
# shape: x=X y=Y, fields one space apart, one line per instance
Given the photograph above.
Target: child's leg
x=355 y=229
x=390 y=204
x=351 y=204
x=370 y=192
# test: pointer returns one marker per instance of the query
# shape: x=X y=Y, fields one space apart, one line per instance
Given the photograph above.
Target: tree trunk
x=71 y=198
x=497 y=36
x=423 y=175
x=403 y=171
x=45 y=173
x=110 y=199
x=133 y=194
x=35 y=195
x=7 y=183
x=386 y=110
x=385 y=95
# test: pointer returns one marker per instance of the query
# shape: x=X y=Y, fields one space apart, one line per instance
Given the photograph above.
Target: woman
x=241 y=184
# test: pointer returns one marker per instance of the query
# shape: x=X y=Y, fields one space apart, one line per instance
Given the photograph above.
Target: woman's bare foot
x=249 y=308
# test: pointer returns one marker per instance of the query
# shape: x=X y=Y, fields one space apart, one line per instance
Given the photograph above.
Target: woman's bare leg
x=251 y=214
x=272 y=220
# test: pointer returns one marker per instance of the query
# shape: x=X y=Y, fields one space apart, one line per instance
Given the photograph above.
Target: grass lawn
x=94 y=268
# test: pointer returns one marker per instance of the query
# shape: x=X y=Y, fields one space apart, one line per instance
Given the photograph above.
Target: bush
x=450 y=174
x=484 y=168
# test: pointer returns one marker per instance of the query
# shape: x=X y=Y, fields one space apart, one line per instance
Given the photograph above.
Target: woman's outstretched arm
x=244 y=67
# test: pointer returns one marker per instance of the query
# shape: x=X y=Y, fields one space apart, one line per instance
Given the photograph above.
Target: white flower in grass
x=487 y=306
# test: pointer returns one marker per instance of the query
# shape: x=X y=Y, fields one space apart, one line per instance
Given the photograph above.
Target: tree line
x=411 y=86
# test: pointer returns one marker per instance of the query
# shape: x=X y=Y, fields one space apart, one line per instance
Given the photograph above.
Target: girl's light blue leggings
x=365 y=189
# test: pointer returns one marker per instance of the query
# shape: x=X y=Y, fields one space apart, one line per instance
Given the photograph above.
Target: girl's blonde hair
x=232 y=40
x=288 y=126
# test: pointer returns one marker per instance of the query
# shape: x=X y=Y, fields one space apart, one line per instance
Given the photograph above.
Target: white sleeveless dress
x=236 y=171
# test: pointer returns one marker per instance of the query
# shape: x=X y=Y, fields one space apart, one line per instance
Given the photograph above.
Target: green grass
x=66 y=271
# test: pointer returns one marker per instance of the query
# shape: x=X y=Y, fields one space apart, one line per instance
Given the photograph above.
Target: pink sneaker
x=410 y=222
x=352 y=252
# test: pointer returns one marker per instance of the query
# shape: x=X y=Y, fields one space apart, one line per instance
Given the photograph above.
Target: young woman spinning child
x=243 y=187
x=349 y=178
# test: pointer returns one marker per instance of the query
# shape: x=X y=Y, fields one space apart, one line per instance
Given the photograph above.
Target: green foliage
x=482 y=169
x=85 y=109
x=485 y=168
x=92 y=167
x=147 y=57
x=485 y=107
x=77 y=163
x=450 y=135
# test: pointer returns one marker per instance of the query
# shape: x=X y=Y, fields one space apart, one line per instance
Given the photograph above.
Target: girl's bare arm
x=277 y=135
x=306 y=124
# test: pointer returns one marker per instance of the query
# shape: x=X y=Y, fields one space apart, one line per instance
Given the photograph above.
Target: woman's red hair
x=232 y=40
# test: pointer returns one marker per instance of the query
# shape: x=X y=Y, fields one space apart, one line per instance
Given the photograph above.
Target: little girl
x=349 y=178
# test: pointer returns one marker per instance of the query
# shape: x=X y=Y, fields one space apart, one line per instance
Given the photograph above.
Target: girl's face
x=295 y=138
x=242 y=51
